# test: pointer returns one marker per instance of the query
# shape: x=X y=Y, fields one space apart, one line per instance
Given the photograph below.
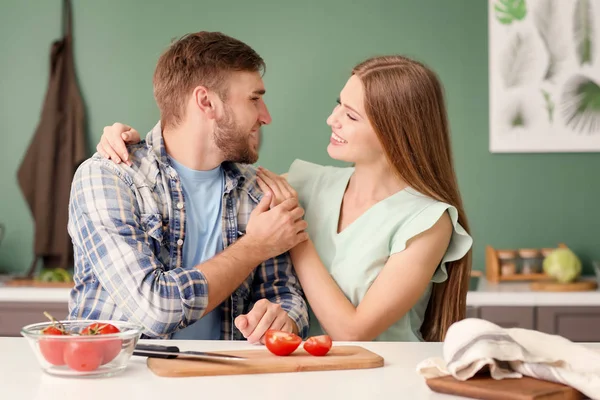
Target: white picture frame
x=544 y=76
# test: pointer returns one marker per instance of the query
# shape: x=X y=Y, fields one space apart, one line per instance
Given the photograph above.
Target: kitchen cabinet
x=509 y=317
x=472 y=312
x=15 y=315
x=576 y=323
x=579 y=324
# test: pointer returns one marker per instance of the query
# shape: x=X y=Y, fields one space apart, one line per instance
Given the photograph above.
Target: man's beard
x=232 y=141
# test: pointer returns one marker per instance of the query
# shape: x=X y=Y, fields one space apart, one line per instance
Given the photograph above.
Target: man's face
x=237 y=132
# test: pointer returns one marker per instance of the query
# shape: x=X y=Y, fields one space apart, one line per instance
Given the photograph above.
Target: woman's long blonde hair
x=404 y=102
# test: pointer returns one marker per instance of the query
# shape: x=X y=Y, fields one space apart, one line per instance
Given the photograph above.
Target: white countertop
x=519 y=294
x=488 y=294
x=31 y=294
x=21 y=378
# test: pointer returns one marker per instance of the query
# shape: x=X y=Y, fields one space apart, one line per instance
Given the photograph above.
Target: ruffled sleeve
x=460 y=242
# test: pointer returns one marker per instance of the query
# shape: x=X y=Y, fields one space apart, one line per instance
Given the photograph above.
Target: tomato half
x=53 y=349
x=281 y=343
x=318 y=345
x=111 y=347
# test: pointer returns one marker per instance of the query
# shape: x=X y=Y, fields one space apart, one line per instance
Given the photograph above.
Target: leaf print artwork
x=548 y=24
x=519 y=61
x=544 y=76
x=580 y=104
x=583 y=30
x=549 y=105
x=508 y=11
x=516 y=115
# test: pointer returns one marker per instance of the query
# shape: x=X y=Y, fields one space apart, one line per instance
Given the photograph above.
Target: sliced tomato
x=281 y=343
x=318 y=345
x=111 y=347
x=53 y=349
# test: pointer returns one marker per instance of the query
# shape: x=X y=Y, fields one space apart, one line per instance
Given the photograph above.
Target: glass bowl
x=77 y=355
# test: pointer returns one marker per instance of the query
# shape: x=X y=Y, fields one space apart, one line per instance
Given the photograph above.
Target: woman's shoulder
x=300 y=166
x=413 y=202
x=421 y=209
x=302 y=171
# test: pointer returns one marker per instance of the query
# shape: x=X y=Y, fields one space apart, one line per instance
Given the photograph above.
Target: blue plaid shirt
x=127 y=225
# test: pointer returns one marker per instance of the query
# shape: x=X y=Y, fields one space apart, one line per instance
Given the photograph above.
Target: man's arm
x=105 y=223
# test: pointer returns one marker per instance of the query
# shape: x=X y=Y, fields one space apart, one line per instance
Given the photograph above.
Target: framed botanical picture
x=544 y=75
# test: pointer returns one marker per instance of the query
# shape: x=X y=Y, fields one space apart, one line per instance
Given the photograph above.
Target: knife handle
x=149 y=350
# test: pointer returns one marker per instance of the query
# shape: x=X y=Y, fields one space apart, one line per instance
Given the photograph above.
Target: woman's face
x=352 y=136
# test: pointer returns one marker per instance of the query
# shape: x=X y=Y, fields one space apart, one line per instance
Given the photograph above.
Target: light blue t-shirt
x=203 y=191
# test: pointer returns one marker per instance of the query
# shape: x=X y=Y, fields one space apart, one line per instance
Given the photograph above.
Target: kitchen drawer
x=509 y=317
x=472 y=312
x=15 y=315
x=578 y=324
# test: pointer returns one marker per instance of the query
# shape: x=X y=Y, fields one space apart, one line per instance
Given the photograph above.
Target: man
x=172 y=238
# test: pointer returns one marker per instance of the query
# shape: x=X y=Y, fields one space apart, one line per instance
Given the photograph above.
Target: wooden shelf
x=525 y=277
x=493 y=273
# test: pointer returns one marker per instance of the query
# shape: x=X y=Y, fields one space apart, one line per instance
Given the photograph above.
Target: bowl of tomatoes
x=82 y=348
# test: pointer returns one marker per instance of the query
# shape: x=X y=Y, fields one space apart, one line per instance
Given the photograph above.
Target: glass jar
x=508 y=262
x=546 y=252
x=531 y=261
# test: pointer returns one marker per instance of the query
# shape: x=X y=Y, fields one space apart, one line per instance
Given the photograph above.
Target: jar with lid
x=508 y=262
x=531 y=261
x=547 y=251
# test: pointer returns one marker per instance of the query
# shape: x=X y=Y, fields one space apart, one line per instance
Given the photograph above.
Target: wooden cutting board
x=261 y=361
x=485 y=387
x=579 y=286
x=39 y=284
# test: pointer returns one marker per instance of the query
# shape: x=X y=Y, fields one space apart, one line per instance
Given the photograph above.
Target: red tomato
x=84 y=356
x=282 y=343
x=53 y=349
x=98 y=328
x=112 y=347
x=318 y=345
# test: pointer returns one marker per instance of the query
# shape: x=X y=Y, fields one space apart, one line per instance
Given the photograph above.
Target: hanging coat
x=55 y=152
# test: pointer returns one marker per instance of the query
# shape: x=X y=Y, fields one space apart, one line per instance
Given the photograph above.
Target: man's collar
x=236 y=175
x=234 y=178
x=156 y=143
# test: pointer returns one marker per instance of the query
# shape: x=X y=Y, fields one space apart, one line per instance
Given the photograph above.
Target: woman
x=389 y=254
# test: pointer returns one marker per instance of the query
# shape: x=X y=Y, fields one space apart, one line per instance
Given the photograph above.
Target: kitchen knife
x=171 y=352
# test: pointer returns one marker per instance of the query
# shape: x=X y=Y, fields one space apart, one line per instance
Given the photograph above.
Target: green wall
x=310 y=47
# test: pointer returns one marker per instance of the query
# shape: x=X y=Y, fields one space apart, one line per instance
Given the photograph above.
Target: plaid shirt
x=128 y=226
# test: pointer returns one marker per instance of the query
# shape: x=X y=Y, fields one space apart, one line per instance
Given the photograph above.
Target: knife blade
x=170 y=352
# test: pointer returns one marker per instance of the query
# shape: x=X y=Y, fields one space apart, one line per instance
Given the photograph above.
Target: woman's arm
x=401 y=283
x=396 y=290
x=114 y=140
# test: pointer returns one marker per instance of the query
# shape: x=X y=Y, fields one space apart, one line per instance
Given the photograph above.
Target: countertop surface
x=487 y=294
x=519 y=294
x=21 y=378
x=34 y=294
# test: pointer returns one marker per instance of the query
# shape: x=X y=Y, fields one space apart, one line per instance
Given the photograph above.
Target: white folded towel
x=472 y=344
